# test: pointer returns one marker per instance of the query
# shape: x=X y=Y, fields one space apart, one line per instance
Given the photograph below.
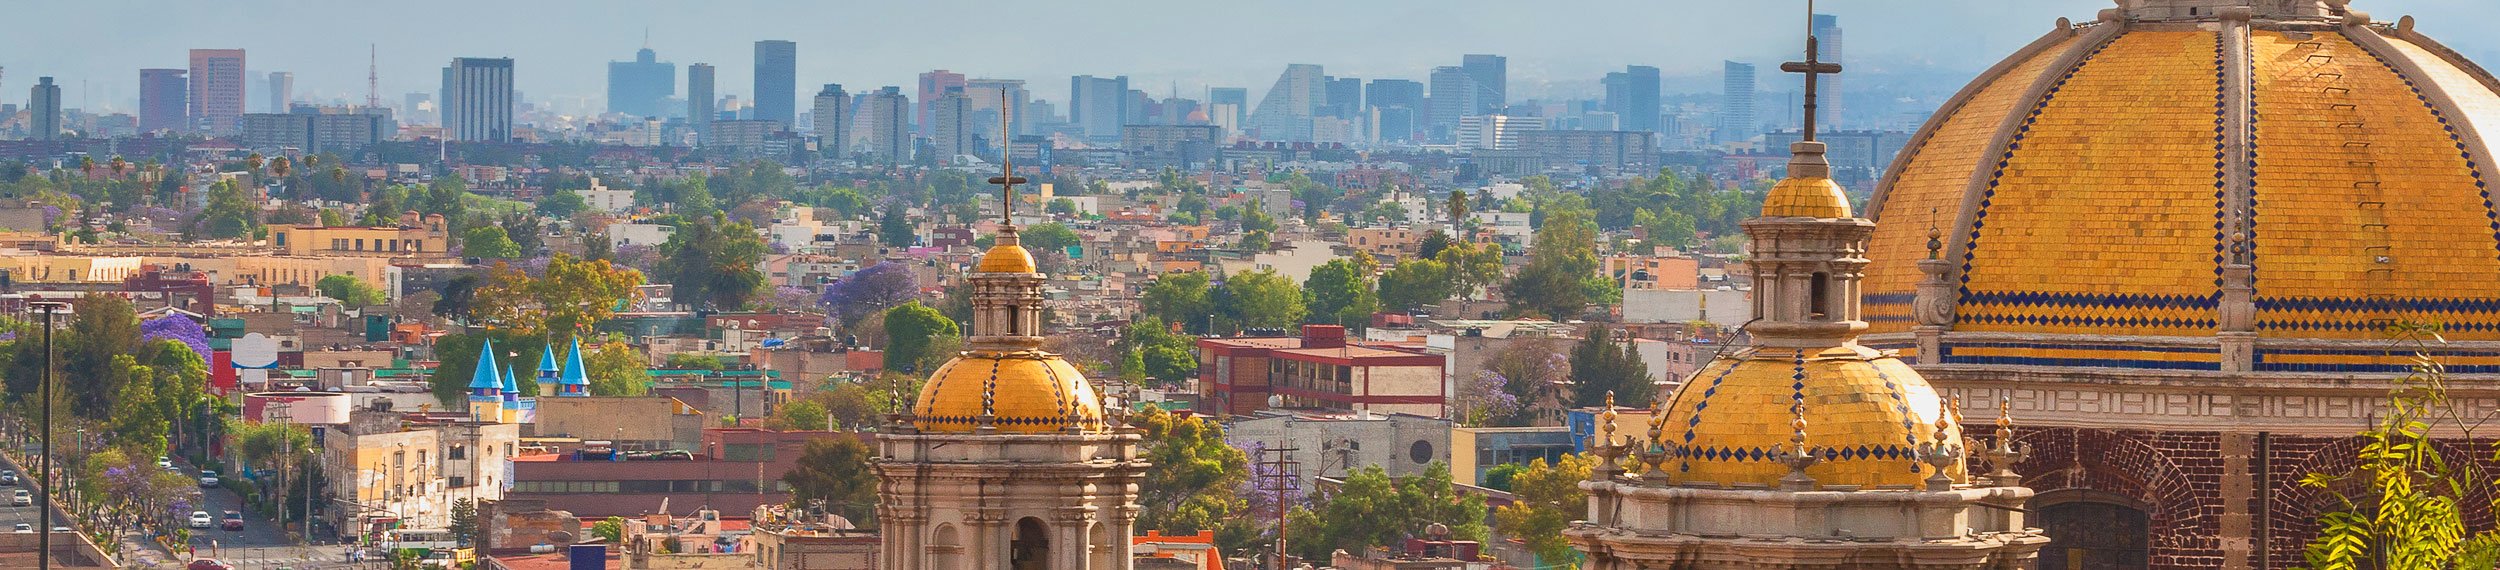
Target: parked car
x=233 y=521
x=208 y=564
x=22 y=527
x=8 y=477
x=165 y=462
x=200 y=519
x=209 y=479
x=21 y=498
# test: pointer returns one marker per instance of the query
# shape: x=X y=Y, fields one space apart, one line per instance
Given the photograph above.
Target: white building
x=631 y=233
x=1495 y=132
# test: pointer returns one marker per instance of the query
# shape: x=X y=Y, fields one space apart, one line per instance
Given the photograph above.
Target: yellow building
x=69 y=268
x=425 y=239
x=281 y=270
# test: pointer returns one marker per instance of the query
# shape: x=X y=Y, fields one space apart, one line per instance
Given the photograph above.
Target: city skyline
x=1685 y=42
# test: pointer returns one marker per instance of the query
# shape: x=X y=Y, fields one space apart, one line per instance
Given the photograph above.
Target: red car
x=233 y=521
x=208 y=564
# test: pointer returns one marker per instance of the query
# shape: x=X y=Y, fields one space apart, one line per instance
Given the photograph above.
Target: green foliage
x=1193 y=476
x=1600 y=367
x=1414 y=283
x=895 y=229
x=1153 y=352
x=1498 y=477
x=611 y=529
x=458 y=355
x=1549 y=499
x=713 y=264
x=1340 y=293
x=2399 y=507
x=617 y=369
x=836 y=470
x=350 y=291
x=801 y=415
x=911 y=329
x=1563 y=256
x=1264 y=299
x=1180 y=298
x=1374 y=510
x=1061 y=207
x=488 y=242
x=1472 y=267
x=229 y=214
x=463 y=520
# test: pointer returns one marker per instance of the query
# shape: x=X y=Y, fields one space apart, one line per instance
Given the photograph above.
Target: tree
x=1549 y=499
x=1372 y=509
x=1264 y=299
x=1600 y=368
x=276 y=445
x=1432 y=244
x=912 y=329
x=1192 y=476
x=1457 y=207
x=229 y=214
x=1483 y=400
x=1340 y=293
x=1532 y=371
x=93 y=369
x=1472 y=267
x=714 y=265
x=1153 y=352
x=463 y=520
x=2399 y=506
x=869 y=292
x=799 y=415
x=618 y=369
x=896 y=230
x=574 y=294
x=1414 y=283
x=349 y=291
x=611 y=529
x=1062 y=207
x=488 y=242
x=1563 y=256
x=1546 y=290
x=835 y=470
x=1180 y=298
x=139 y=422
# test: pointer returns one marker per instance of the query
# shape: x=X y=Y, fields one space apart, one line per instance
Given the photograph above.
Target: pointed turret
x=575 y=380
x=483 y=382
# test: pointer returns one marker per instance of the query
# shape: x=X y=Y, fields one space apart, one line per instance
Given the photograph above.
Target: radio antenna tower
x=373 y=80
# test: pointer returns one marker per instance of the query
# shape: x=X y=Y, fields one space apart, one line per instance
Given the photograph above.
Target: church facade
x=2174 y=240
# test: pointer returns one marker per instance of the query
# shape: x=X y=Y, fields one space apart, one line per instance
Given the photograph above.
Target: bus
x=418 y=538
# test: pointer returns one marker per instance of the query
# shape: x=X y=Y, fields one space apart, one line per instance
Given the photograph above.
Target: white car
x=200 y=519
x=21 y=498
x=165 y=462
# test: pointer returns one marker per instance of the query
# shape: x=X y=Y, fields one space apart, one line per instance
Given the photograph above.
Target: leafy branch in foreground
x=2406 y=513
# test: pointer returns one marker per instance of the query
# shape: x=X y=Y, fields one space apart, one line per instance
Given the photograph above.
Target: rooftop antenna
x=646 y=37
x=1006 y=179
x=373 y=80
x=1813 y=67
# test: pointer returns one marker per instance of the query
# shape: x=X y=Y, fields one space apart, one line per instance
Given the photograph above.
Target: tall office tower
x=1736 y=119
x=1345 y=97
x=216 y=103
x=1454 y=95
x=477 y=98
x=889 y=136
x=1827 y=38
x=950 y=126
x=1238 y=97
x=1140 y=109
x=991 y=97
x=833 y=122
x=420 y=108
x=1098 y=106
x=1632 y=95
x=1492 y=75
x=1284 y=114
x=641 y=87
x=281 y=91
x=162 y=94
x=45 y=103
x=699 y=113
x=776 y=81
x=1394 y=104
x=933 y=86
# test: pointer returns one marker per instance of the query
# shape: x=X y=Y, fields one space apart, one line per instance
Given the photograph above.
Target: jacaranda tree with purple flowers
x=869 y=291
x=177 y=328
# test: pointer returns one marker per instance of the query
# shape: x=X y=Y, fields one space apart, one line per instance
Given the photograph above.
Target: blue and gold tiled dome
x=1869 y=414
x=1029 y=392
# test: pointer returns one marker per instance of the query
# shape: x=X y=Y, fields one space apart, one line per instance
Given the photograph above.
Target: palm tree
x=118 y=166
x=280 y=167
x=86 y=165
x=254 y=161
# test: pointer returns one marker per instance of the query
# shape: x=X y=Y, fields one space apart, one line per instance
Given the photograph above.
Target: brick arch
x=2154 y=470
x=2293 y=509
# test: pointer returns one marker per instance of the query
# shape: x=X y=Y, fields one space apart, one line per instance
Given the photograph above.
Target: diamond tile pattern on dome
x=2100 y=217
x=2373 y=209
x=1865 y=414
x=1928 y=193
x=1027 y=393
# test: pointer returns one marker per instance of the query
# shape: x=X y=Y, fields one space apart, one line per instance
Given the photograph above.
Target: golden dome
x=2092 y=185
x=1866 y=414
x=1027 y=392
x=1806 y=198
x=1006 y=258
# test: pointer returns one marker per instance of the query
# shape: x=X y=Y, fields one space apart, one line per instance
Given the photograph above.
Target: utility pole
x=1283 y=473
x=43 y=532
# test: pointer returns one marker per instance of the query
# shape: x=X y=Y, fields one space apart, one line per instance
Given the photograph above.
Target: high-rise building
x=1736 y=118
x=1284 y=114
x=162 y=97
x=281 y=91
x=420 y=108
x=950 y=126
x=1098 y=106
x=45 y=103
x=776 y=80
x=990 y=97
x=641 y=87
x=477 y=98
x=933 y=86
x=1394 y=93
x=1492 y=75
x=1632 y=95
x=1394 y=105
x=1345 y=97
x=1827 y=89
x=832 y=115
x=1454 y=95
x=1238 y=97
x=1495 y=132
x=217 y=90
x=699 y=112
x=888 y=135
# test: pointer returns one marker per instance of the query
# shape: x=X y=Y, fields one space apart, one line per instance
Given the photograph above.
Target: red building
x=1320 y=370
x=736 y=470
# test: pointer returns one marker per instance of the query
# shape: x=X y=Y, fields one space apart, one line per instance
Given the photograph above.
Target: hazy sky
x=95 y=48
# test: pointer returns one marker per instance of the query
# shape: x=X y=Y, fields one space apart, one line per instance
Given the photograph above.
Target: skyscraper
x=933 y=86
x=162 y=97
x=950 y=125
x=1736 y=118
x=1097 y=106
x=1345 y=97
x=832 y=115
x=45 y=103
x=1632 y=95
x=993 y=96
x=888 y=137
x=1238 y=97
x=1828 y=38
x=1492 y=75
x=641 y=87
x=776 y=80
x=699 y=113
x=1454 y=95
x=1398 y=102
x=477 y=98
x=281 y=91
x=1284 y=114
x=217 y=90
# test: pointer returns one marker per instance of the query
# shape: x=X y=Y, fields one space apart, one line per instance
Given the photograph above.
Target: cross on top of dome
x=2191 y=10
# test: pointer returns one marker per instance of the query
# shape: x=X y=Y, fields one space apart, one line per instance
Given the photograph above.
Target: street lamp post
x=43 y=534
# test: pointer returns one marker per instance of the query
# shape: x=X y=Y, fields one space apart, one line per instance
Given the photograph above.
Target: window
x=1818 y=293
x=456 y=452
x=457 y=481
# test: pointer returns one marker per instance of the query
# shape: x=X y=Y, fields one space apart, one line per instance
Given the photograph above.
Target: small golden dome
x=1797 y=197
x=1006 y=258
x=1027 y=392
x=1866 y=414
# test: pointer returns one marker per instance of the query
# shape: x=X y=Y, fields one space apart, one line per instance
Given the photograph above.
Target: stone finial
x=1654 y=456
x=2007 y=452
x=1939 y=454
x=1799 y=456
x=1608 y=449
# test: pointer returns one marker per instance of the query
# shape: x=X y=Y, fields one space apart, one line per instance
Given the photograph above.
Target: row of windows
x=734 y=486
x=358 y=244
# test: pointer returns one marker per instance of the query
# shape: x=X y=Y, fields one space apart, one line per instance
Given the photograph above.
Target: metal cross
x=1813 y=67
x=1007 y=179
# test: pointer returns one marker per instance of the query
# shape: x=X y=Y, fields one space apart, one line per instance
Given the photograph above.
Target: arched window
x=946 y=552
x=2090 y=530
x=1818 y=297
x=1031 y=548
